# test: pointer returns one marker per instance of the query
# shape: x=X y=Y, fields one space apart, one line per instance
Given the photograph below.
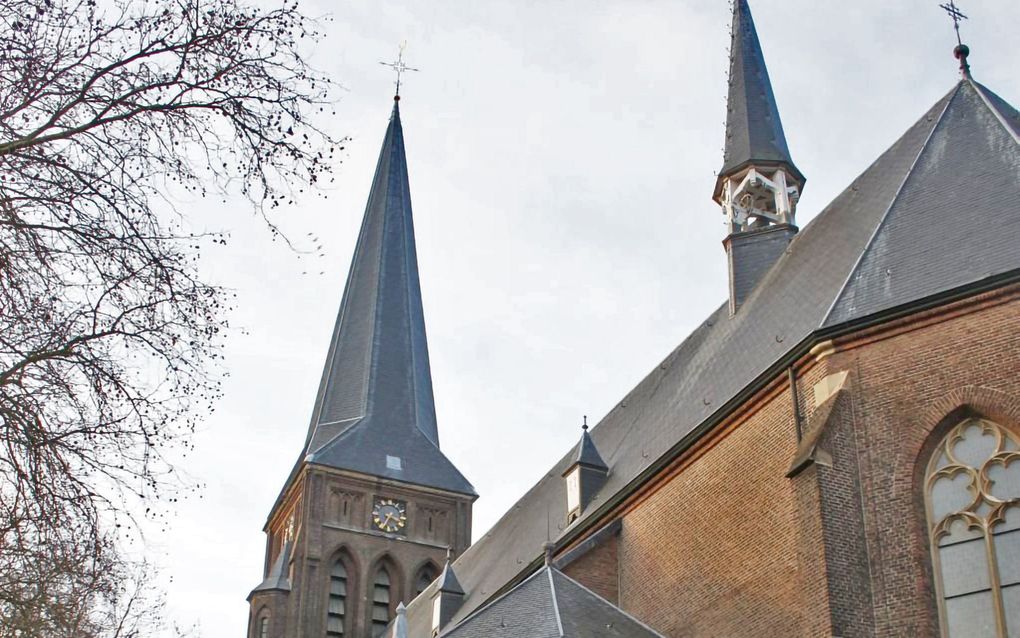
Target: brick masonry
x=597 y=569
x=730 y=546
x=333 y=521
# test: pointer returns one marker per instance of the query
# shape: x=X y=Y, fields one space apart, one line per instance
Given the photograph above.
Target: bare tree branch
x=109 y=337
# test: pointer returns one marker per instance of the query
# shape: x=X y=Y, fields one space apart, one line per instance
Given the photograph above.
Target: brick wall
x=907 y=391
x=598 y=569
x=730 y=546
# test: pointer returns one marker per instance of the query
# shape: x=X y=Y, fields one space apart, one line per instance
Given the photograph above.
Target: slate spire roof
x=448 y=582
x=754 y=132
x=587 y=454
x=374 y=412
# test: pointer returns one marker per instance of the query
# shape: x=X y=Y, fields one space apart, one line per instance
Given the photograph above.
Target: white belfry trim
x=780 y=210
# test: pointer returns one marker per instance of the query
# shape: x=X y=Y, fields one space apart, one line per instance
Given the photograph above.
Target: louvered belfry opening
x=380 y=602
x=336 y=615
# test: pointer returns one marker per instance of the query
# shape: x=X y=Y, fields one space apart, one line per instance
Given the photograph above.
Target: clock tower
x=366 y=516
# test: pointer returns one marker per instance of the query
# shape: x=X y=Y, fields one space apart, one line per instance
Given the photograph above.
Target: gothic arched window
x=426 y=575
x=380 y=601
x=336 y=612
x=264 y=627
x=972 y=498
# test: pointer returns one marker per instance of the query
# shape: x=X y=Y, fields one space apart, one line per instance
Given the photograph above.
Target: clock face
x=389 y=515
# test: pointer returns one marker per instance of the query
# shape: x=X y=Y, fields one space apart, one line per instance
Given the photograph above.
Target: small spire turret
x=447 y=598
x=759 y=185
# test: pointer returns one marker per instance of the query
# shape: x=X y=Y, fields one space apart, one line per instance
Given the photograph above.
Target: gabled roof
x=939 y=210
x=550 y=604
x=374 y=412
x=754 y=132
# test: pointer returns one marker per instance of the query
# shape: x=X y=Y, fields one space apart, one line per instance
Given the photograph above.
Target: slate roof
x=587 y=454
x=754 y=131
x=549 y=604
x=447 y=581
x=278 y=578
x=937 y=213
x=374 y=411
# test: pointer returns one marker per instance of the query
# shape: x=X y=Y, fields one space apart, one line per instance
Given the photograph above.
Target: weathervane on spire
x=399 y=66
x=962 y=50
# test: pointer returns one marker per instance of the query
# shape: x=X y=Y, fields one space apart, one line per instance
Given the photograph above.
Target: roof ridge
x=607 y=601
x=485 y=605
x=980 y=89
x=885 y=215
x=555 y=603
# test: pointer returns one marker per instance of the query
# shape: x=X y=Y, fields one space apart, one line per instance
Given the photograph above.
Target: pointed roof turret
x=754 y=132
x=448 y=582
x=587 y=454
x=374 y=411
x=758 y=186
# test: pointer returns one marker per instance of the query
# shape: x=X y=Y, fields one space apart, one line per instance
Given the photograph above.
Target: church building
x=835 y=451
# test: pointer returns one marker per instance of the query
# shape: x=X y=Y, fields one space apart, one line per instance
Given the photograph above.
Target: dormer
x=584 y=476
x=447 y=599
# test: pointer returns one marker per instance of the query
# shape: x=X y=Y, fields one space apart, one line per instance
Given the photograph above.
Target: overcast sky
x=561 y=159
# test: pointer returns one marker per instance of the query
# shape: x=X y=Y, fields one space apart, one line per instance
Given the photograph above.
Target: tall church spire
x=758 y=185
x=371 y=504
x=374 y=412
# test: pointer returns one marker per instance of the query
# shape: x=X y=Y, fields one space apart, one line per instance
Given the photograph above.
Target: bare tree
x=110 y=111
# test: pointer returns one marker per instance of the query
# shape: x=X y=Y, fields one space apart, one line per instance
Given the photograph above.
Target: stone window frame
x=427 y=570
x=261 y=620
x=980 y=516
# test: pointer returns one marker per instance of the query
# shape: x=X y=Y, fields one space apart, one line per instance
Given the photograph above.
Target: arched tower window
x=264 y=627
x=337 y=612
x=426 y=575
x=380 y=601
x=972 y=499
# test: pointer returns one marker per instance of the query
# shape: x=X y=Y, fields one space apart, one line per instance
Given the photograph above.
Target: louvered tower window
x=336 y=614
x=380 y=602
x=426 y=575
x=972 y=497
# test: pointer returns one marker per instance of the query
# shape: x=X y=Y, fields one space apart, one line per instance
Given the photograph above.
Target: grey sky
x=561 y=159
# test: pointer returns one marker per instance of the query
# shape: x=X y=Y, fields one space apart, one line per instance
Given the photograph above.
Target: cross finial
x=962 y=50
x=584 y=426
x=399 y=66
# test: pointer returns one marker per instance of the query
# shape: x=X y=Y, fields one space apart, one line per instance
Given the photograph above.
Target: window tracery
x=972 y=498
